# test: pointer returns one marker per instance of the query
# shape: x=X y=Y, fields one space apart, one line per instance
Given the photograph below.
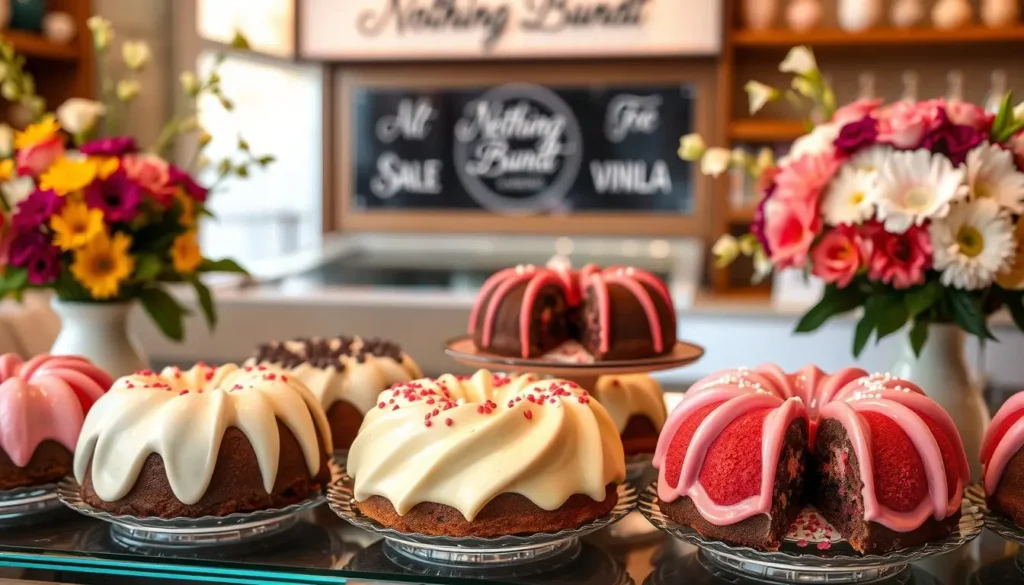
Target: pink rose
x=34 y=160
x=152 y=173
x=899 y=260
x=904 y=124
x=968 y=114
x=790 y=228
x=855 y=111
x=839 y=255
x=804 y=178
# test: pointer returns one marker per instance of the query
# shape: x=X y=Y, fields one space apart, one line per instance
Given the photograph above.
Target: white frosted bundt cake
x=486 y=455
x=636 y=404
x=209 y=441
x=344 y=373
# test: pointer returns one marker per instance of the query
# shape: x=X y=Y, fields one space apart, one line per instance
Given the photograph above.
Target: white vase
x=997 y=13
x=906 y=13
x=759 y=14
x=858 y=15
x=803 y=15
x=949 y=14
x=942 y=371
x=99 y=331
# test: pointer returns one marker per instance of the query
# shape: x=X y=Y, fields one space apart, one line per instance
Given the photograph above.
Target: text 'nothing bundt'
x=746 y=449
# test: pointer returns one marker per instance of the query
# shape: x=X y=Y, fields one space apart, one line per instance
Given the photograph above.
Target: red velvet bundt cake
x=618 y=313
x=746 y=449
x=1002 y=455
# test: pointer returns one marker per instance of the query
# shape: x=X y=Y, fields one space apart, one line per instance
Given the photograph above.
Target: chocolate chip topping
x=322 y=352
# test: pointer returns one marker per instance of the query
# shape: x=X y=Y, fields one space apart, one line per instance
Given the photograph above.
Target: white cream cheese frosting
x=352 y=369
x=462 y=441
x=628 y=395
x=183 y=415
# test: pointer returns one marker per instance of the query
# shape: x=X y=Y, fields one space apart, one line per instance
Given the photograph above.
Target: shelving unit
x=886 y=51
x=34 y=46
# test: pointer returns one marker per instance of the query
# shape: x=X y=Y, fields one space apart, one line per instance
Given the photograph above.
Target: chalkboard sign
x=522 y=149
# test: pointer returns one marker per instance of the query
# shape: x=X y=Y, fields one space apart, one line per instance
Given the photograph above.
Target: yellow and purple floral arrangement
x=98 y=218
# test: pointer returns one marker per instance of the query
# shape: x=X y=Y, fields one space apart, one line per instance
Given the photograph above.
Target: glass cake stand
x=813 y=552
x=26 y=503
x=542 y=551
x=997 y=523
x=140 y=534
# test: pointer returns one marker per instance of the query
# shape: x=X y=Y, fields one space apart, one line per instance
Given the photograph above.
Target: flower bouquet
x=911 y=210
x=90 y=215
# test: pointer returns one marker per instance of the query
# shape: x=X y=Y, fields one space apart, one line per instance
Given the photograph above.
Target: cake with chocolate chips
x=486 y=455
x=344 y=373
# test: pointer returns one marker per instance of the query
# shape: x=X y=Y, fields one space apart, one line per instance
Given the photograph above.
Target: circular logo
x=517 y=149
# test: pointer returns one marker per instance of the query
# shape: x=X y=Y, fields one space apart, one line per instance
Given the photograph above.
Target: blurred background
x=423 y=144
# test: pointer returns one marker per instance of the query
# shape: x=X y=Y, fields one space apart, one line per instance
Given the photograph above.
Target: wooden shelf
x=784 y=38
x=754 y=130
x=34 y=46
x=742 y=215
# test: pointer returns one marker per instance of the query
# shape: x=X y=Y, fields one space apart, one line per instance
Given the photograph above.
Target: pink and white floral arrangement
x=911 y=210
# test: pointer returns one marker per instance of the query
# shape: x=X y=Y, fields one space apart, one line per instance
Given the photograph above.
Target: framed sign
x=500 y=146
x=362 y=30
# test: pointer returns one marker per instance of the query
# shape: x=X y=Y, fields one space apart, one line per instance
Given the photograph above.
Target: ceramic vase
x=943 y=372
x=759 y=14
x=858 y=15
x=906 y=13
x=99 y=331
x=948 y=14
x=998 y=13
x=803 y=15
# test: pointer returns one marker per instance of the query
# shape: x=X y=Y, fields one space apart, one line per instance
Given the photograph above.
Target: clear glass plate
x=27 y=502
x=139 y=533
x=834 y=564
x=997 y=523
x=475 y=552
x=637 y=465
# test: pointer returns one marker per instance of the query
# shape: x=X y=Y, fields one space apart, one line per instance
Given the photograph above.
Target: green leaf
x=242 y=144
x=222 y=265
x=1003 y=117
x=1015 y=304
x=835 y=301
x=239 y=41
x=890 y=315
x=1010 y=130
x=147 y=267
x=921 y=298
x=166 y=312
x=13 y=280
x=967 y=314
x=205 y=301
x=265 y=160
x=862 y=333
x=918 y=336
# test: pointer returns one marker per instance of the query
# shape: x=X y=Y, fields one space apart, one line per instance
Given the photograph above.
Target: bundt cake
x=1002 y=458
x=746 y=449
x=636 y=404
x=618 y=313
x=43 y=402
x=344 y=373
x=486 y=456
x=209 y=441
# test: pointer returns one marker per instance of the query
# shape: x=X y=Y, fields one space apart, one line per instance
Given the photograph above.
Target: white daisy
x=871 y=159
x=972 y=244
x=850 y=198
x=992 y=174
x=915 y=186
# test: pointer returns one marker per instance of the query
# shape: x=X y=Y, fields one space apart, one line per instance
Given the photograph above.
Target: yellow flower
x=185 y=254
x=188 y=209
x=66 y=175
x=42 y=131
x=76 y=225
x=106 y=166
x=7 y=169
x=103 y=264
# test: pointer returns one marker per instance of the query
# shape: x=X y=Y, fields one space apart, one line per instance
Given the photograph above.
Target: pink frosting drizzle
x=842 y=396
x=1000 y=443
x=45 y=398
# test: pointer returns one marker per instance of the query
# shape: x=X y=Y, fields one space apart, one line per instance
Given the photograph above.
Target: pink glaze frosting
x=635 y=280
x=1003 y=438
x=45 y=398
x=813 y=394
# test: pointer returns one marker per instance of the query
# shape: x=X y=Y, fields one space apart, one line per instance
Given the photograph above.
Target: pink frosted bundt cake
x=746 y=449
x=43 y=402
x=1002 y=456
